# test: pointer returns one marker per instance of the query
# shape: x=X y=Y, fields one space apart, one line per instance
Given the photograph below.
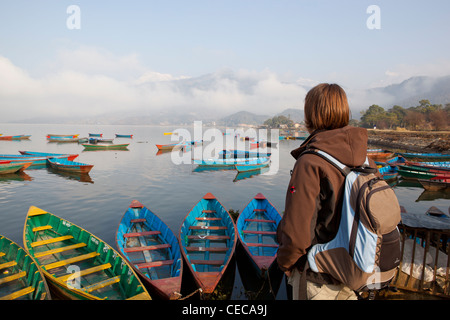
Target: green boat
x=105 y=146
x=77 y=264
x=20 y=277
x=414 y=175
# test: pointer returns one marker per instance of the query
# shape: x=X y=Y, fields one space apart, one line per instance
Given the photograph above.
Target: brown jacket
x=312 y=209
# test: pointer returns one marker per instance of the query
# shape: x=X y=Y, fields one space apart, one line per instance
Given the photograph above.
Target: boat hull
x=69 y=166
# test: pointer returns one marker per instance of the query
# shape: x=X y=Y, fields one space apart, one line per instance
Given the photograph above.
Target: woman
x=312 y=210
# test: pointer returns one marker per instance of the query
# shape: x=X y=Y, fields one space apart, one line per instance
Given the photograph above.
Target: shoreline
x=416 y=141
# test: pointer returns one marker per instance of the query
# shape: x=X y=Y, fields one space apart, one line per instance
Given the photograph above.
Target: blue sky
x=271 y=42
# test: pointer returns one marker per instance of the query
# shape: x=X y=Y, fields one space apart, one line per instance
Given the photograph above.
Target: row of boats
x=431 y=170
x=16 y=163
x=150 y=259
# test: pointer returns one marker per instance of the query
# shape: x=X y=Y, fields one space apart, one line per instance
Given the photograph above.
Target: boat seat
x=140 y=234
x=260 y=232
x=48 y=241
x=154 y=264
x=208 y=218
x=101 y=284
x=208 y=262
x=211 y=249
x=271 y=245
x=71 y=260
x=140 y=296
x=7 y=264
x=18 y=294
x=41 y=228
x=200 y=237
x=58 y=250
x=2 y=254
x=138 y=220
x=208 y=228
x=259 y=210
x=146 y=248
x=13 y=277
x=86 y=271
x=259 y=220
x=209 y=211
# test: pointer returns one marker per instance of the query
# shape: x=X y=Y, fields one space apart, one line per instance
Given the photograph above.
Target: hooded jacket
x=313 y=205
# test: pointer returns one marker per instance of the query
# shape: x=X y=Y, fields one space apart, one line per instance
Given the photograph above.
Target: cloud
x=91 y=82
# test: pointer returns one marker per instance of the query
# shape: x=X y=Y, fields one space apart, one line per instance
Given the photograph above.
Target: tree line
x=425 y=116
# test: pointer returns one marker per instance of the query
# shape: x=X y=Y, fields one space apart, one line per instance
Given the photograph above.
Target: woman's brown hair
x=326 y=107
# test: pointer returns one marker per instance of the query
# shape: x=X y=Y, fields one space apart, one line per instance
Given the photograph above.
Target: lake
x=169 y=189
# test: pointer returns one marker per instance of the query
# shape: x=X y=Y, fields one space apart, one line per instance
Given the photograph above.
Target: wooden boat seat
x=146 y=248
x=7 y=264
x=71 y=260
x=207 y=228
x=259 y=220
x=42 y=228
x=260 y=232
x=208 y=218
x=259 y=210
x=58 y=250
x=101 y=284
x=210 y=249
x=209 y=211
x=200 y=237
x=2 y=254
x=13 y=277
x=48 y=241
x=140 y=296
x=140 y=234
x=86 y=271
x=272 y=245
x=138 y=220
x=18 y=294
x=154 y=264
x=208 y=262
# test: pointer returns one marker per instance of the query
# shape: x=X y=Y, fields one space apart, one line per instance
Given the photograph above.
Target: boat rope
x=255 y=294
x=189 y=295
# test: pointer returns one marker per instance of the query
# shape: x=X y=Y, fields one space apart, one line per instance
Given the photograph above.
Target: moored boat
x=106 y=146
x=435 y=183
x=256 y=228
x=20 y=277
x=242 y=154
x=426 y=156
x=388 y=172
x=152 y=249
x=49 y=154
x=69 y=166
x=252 y=165
x=208 y=240
x=124 y=135
x=77 y=264
x=13 y=167
x=170 y=146
x=95 y=134
x=17 y=137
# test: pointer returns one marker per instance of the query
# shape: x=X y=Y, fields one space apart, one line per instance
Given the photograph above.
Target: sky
x=209 y=55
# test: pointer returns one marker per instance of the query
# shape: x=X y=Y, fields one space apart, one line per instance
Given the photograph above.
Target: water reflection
x=18 y=176
x=81 y=177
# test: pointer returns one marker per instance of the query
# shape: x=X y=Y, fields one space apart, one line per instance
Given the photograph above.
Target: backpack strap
x=345 y=170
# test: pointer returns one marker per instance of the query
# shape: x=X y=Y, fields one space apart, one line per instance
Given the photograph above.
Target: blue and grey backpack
x=365 y=253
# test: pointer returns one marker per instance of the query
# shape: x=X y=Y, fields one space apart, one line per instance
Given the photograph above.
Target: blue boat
x=95 y=134
x=124 y=135
x=388 y=172
x=252 y=165
x=230 y=162
x=208 y=240
x=49 y=154
x=241 y=154
x=257 y=228
x=152 y=249
x=35 y=161
x=426 y=156
x=69 y=166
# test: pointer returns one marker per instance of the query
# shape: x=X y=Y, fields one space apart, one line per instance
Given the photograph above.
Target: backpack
x=365 y=253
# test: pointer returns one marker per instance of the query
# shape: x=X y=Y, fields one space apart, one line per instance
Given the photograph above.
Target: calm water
x=168 y=189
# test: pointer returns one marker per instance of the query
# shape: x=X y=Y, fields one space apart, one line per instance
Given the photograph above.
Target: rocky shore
x=416 y=141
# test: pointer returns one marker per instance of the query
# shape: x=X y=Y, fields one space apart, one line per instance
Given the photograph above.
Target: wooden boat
x=99 y=146
x=35 y=161
x=170 y=146
x=94 y=140
x=50 y=135
x=63 y=139
x=69 y=166
x=152 y=249
x=256 y=227
x=435 y=183
x=379 y=156
x=124 y=135
x=232 y=162
x=252 y=165
x=20 y=277
x=411 y=174
x=49 y=154
x=13 y=167
x=436 y=212
x=388 y=172
x=426 y=156
x=208 y=240
x=242 y=154
x=17 y=137
x=95 y=134
x=436 y=165
x=77 y=264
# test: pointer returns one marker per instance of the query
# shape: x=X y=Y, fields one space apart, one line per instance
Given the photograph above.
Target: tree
x=374 y=114
x=414 y=119
x=277 y=121
x=439 y=119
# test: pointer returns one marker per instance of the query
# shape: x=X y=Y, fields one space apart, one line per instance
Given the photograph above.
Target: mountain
x=242 y=117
